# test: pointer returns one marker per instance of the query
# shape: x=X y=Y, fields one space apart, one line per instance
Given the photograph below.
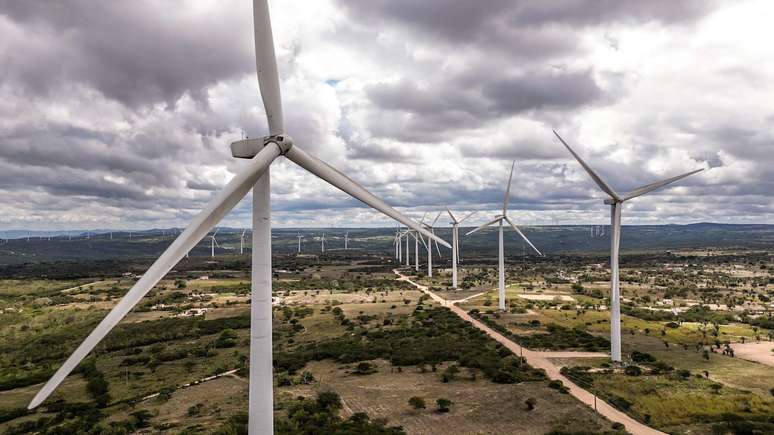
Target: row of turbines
x=261 y=152
x=615 y=201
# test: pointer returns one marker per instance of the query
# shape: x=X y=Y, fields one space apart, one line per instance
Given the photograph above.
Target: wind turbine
x=429 y=244
x=407 y=235
x=322 y=243
x=213 y=243
x=396 y=242
x=499 y=220
x=456 y=242
x=299 y=242
x=615 y=201
x=242 y=241
x=256 y=176
x=346 y=240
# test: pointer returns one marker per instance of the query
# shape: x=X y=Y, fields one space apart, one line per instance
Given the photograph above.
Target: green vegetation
x=433 y=335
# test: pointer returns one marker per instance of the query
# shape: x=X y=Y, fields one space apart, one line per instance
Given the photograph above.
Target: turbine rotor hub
x=248 y=148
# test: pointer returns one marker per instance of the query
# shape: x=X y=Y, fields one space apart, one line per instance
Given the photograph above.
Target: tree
x=329 y=400
x=364 y=368
x=450 y=373
x=632 y=371
x=417 y=403
x=443 y=404
x=530 y=402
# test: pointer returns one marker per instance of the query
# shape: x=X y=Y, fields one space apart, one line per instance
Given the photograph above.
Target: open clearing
x=762 y=352
x=385 y=394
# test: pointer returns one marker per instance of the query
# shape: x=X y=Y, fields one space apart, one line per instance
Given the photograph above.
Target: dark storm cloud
x=502 y=22
x=431 y=111
x=136 y=52
x=542 y=91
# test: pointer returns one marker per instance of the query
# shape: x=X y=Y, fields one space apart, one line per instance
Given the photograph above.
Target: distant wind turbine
x=429 y=244
x=499 y=220
x=213 y=243
x=456 y=242
x=242 y=241
x=299 y=242
x=615 y=201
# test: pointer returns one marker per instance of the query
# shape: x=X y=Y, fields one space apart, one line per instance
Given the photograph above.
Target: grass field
x=479 y=405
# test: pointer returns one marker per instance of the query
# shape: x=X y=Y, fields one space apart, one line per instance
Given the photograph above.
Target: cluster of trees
x=433 y=335
x=79 y=418
x=305 y=416
x=36 y=356
x=557 y=337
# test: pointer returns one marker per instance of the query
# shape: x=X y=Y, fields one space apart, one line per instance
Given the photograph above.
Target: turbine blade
x=216 y=231
x=507 y=219
x=471 y=214
x=423 y=218
x=346 y=184
x=266 y=63
x=215 y=210
x=653 y=186
x=484 y=226
x=436 y=219
x=602 y=185
x=422 y=239
x=436 y=246
x=508 y=190
x=451 y=215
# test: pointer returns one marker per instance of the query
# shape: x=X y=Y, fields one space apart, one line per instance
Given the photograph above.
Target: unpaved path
x=542 y=360
x=762 y=352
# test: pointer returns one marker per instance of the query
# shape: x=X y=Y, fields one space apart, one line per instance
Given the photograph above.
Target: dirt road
x=543 y=360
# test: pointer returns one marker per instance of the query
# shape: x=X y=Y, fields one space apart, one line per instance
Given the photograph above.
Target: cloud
x=120 y=114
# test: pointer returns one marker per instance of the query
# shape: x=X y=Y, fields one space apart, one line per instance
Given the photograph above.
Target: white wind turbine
x=429 y=244
x=346 y=240
x=396 y=242
x=322 y=243
x=213 y=243
x=407 y=235
x=299 y=242
x=499 y=220
x=242 y=241
x=456 y=242
x=615 y=202
x=261 y=152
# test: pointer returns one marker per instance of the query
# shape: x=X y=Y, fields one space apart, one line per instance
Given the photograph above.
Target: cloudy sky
x=119 y=114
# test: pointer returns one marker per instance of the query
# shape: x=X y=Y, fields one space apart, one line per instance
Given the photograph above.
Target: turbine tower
x=254 y=175
x=396 y=242
x=322 y=244
x=501 y=250
x=406 y=234
x=615 y=201
x=429 y=244
x=346 y=240
x=299 y=242
x=456 y=243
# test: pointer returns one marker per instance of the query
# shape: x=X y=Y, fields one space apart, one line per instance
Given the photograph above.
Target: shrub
x=632 y=371
x=365 y=368
x=642 y=357
x=417 y=403
x=443 y=405
x=559 y=386
x=530 y=402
